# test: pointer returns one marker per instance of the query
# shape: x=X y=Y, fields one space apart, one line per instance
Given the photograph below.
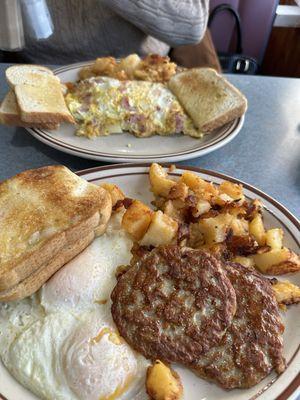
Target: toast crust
x=15 y=120
x=36 y=280
x=24 y=69
x=226 y=118
x=32 y=262
x=10 y=114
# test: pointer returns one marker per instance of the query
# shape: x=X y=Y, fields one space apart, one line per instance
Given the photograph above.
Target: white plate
x=133 y=179
x=125 y=147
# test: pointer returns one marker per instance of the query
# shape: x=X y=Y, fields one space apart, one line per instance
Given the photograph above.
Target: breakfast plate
x=128 y=148
x=133 y=180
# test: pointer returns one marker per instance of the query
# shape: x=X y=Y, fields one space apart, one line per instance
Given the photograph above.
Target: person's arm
x=176 y=22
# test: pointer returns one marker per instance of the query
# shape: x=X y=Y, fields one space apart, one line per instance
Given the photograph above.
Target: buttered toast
x=45 y=212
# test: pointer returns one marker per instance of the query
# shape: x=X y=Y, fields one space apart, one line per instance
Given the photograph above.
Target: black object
x=236 y=63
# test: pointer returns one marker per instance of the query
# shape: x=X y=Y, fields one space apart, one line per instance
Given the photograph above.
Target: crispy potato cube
x=115 y=192
x=254 y=208
x=274 y=238
x=160 y=183
x=286 y=292
x=232 y=190
x=222 y=199
x=179 y=191
x=257 y=230
x=215 y=229
x=174 y=210
x=196 y=238
x=162 y=230
x=246 y=261
x=104 y=66
x=129 y=64
x=137 y=219
x=200 y=187
x=162 y=383
x=201 y=207
x=277 y=261
x=239 y=226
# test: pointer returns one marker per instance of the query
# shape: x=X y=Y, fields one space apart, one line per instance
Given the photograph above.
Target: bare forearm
x=176 y=22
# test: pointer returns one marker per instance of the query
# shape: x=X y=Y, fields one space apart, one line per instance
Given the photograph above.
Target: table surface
x=266 y=153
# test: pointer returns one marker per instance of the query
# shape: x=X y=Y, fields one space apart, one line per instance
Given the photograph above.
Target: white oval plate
x=125 y=147
x=133 y=180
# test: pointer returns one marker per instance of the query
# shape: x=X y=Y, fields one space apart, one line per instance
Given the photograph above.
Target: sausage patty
x=173 y=304
x=252 y=346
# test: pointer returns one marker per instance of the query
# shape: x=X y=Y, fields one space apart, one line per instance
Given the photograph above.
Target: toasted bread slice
x=43 y=211
x=36 y=280
x=209 y=99
x=42 y=103
x=10 y=114
x=25 y=73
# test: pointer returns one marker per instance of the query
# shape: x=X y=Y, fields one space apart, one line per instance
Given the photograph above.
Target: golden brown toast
x=42 y=211
x=42 y=102
x=207 y=97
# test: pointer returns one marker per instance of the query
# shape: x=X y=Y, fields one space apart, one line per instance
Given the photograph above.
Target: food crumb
x=172 y=168
x=129 y=145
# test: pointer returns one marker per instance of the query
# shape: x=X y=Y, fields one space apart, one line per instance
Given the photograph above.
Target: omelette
x=61 y=342
x=103 y=105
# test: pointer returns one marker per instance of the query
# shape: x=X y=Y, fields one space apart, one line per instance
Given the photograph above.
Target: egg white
x=61 y=343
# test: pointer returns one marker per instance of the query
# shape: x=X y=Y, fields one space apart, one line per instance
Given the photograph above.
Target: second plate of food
x=80 y=359
x=126 y=147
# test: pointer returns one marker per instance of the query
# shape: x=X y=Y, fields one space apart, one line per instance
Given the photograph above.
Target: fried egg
x=62 y=344
x=103 y=105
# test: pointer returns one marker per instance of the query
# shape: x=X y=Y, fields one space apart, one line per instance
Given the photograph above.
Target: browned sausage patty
x=173 y=304
x=252 y=346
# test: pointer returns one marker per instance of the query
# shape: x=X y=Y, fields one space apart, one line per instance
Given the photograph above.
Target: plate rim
x=293 y=388
x=231 y=131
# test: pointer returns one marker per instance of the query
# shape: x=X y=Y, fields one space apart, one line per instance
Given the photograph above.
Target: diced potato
x=200 y=187
x=201 y=207
x=196 y=238
x=137 y=219
x=215 y=229
x=277 y=261
x=222 y=199
x=160 y=183
x=257 y=230
x=162 y=383
x=162 y=230
x=254 y=208
x=129 y=64
x=173 y=210
x=274 y=238
x=286 y=292
x=232 y=190
x=235 y=209
x=246 y=261
x=115 y=192
x=179 y=191
x=239 y=226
